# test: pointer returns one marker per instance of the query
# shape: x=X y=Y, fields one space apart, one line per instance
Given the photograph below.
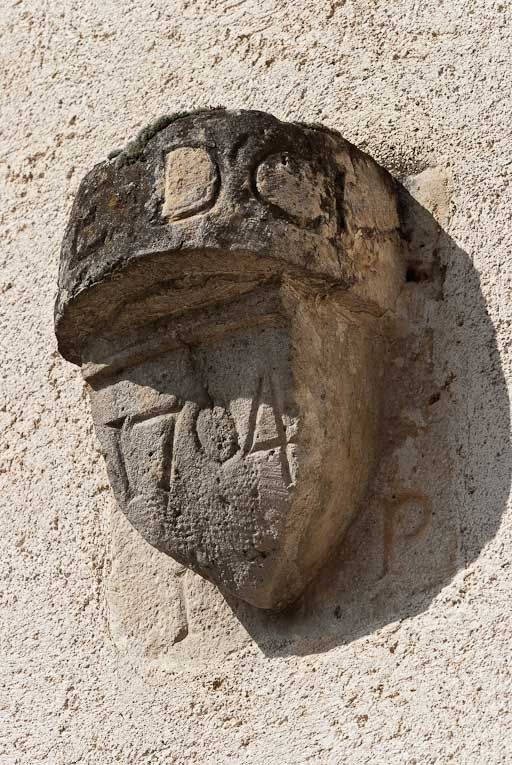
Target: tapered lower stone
x=226 y=293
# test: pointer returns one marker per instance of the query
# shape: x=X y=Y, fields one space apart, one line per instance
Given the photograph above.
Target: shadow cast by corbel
x=442 y=479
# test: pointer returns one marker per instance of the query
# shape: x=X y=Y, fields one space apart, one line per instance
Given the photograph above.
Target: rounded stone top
x=236 y=195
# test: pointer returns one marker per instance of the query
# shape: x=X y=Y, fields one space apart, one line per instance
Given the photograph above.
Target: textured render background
x=90 y=668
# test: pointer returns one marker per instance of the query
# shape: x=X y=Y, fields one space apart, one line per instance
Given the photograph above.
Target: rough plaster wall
x=417 y=85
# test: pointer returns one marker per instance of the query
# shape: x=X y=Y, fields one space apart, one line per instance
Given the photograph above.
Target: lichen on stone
x=135 y=148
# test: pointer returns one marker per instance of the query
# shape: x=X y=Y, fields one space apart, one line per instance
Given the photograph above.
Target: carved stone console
x=224 y=286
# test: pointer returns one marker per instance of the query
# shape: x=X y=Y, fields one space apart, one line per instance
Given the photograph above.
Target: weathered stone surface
x=191 y=182
x=290 y=184
x=377 y=664
x=228 y=319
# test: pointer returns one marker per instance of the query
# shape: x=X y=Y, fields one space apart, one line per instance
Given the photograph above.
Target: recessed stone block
x=290 y=184
x=191 y=182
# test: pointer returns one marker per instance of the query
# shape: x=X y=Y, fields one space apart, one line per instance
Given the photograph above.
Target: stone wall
x=399 y=652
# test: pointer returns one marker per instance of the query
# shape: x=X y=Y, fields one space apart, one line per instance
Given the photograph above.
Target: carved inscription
x=89 y=236
x=290 y=185
x=407 y=517
x=266 y=428
x=191 y=182
x=148 y=439
x=223 y=298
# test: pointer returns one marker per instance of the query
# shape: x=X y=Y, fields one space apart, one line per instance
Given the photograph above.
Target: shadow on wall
x=444 y=477
x=437 y=496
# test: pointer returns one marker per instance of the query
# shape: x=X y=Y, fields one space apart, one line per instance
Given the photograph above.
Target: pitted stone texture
x=227 y=456
x=240 y=195
x=289 y=183
x=229 y=364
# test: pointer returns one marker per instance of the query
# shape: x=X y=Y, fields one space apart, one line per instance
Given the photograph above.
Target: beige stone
x=191 y=182
x=292 y=186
